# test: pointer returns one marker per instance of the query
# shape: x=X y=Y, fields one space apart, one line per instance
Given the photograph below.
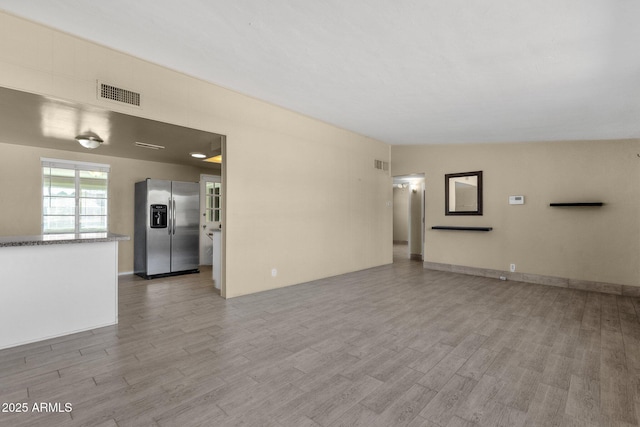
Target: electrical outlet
x=274 y=272
x=512 y=268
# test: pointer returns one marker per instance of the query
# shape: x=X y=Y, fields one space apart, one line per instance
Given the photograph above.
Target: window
x=213 y=201
x=74 y=196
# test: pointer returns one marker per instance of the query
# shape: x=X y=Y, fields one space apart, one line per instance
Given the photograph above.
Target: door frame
x=416 y=185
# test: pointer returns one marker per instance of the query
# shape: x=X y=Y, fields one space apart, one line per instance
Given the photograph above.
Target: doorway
x=408 y=217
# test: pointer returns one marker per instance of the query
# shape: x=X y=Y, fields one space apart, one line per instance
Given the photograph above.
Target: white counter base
x=51 y=290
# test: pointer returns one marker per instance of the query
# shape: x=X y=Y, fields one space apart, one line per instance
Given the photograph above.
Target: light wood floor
x=391 y=346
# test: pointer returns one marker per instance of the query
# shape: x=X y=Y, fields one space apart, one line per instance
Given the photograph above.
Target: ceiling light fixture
x=89 y=141
x=198 y=155
x=214 y=159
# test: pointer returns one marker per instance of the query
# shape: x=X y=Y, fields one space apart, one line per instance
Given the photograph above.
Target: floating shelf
x=577 y=204
x=453 y=227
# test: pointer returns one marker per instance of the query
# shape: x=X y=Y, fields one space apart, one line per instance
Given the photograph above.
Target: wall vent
x=113 y=93
x=382 y=165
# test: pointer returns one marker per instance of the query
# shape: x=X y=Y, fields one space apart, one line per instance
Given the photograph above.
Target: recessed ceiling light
x=198 y=155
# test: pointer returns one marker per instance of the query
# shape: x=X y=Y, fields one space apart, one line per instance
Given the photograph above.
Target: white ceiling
x=401 y=71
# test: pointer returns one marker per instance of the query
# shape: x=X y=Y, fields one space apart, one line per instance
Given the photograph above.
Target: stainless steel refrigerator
x=166 y=235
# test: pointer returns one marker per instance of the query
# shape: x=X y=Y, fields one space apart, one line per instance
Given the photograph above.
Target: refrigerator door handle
x=174 y=216
x=170 y=222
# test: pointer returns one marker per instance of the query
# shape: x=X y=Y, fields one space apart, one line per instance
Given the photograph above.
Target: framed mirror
x=463 y=193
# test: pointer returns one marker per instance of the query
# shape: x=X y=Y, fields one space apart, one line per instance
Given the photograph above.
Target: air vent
x=117 y=94
x=382 y=165
x=149 y=146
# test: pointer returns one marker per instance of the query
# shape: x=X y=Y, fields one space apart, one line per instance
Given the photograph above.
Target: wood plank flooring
x=390 y=346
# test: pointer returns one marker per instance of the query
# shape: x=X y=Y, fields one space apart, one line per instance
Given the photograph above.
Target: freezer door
x=158 y=239
x=185 y=226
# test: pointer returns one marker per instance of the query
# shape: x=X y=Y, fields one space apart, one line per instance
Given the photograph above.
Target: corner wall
x=301 y=196
x=401 y=214
x=590 y=244
x=415 y=222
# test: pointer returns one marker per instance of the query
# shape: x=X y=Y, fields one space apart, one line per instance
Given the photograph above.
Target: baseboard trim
x=415 y=257
x=583 y=285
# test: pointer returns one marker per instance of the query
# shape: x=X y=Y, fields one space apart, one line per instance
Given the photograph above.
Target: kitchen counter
x=54 y=285
x=57 y=239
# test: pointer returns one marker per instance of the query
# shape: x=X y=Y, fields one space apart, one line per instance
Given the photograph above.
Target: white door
x=210 y=214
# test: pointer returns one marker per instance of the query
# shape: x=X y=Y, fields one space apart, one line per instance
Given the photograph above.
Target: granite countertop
x=57 y=239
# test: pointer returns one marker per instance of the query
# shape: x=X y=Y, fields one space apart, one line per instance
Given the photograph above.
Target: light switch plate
x=516 y=200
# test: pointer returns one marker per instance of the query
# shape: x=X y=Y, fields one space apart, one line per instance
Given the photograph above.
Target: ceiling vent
x=149 y=146
x=380 y=164
x=113 y=93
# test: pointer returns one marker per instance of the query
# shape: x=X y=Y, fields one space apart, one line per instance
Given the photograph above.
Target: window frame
x=77 y=167
x=216 y=198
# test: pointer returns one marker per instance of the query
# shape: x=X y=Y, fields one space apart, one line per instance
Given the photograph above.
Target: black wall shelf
x=576 y=204
x=457 y=228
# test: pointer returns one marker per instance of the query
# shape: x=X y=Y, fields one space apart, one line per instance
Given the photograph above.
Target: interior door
x=210 y=212
x=185 y=244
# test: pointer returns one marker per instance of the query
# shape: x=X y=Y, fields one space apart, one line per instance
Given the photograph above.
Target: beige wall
x=415 y=227
x=301 y=196
x=21 y=191
x=401 y=214
x=595 y=244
